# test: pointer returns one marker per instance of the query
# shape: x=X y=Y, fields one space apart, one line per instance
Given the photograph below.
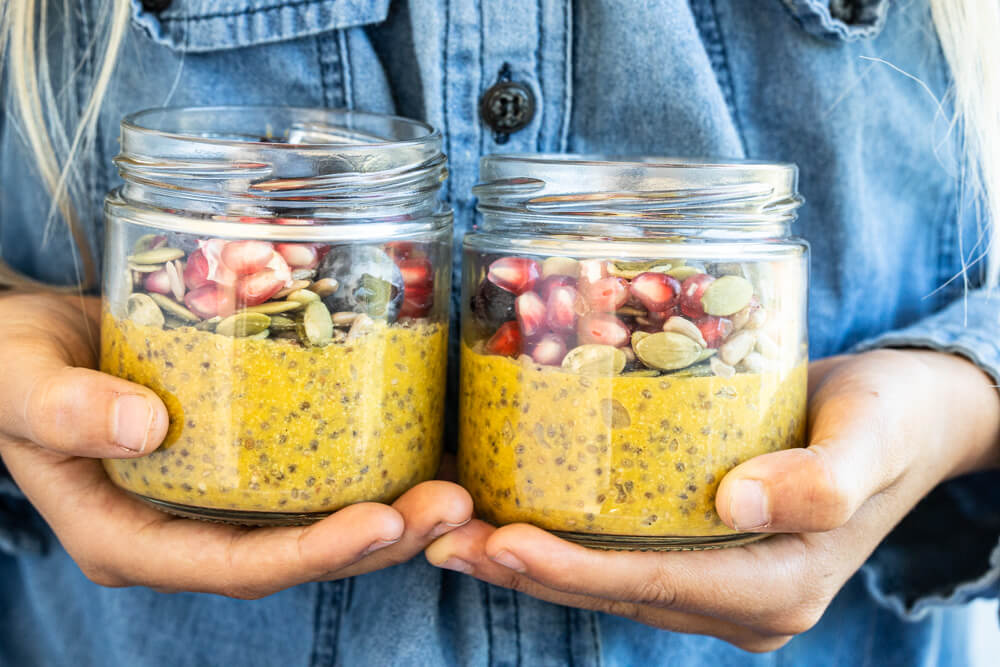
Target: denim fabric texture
x=805 y=81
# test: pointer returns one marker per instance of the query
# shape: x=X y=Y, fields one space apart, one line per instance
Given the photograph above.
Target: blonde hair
x=966 y=29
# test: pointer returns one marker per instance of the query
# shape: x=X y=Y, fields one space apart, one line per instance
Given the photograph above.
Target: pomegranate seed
x=514 y=274
x=592 y=270
x=506 y=341
x=548 y=284
x=714 y=329
x=561 y=308
x=691 y=291
x=417 y=272
x=299 y=255
x=210 y=300
x=549 y=350
x=158 y=281
x=417 y=301
x=255 y=289
x=196 y=270
x=603 y=329
x=655 y=291
x=607 y=294
x=246 y=257
x=530 y=311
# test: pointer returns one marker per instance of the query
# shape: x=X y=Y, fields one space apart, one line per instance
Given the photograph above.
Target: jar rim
x=655 y=189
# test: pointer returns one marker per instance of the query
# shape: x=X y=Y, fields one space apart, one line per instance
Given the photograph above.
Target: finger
x=852 y=455
x=429 y=510
x=465 y=550
x=124 y=542
x=77 y=411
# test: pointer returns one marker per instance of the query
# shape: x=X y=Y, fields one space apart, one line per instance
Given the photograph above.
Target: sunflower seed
x=362 y=325
x=721 y=368
x=324 y=286
x=274 y=307
x=175 y=273
x=737 y=347
x=560 y=266
x=344 y=319
x=295 y=286
x=303 y=296
x=678 y=324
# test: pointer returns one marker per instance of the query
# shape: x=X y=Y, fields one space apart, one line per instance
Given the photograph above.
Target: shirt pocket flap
x=843 y=20
x=196 y=26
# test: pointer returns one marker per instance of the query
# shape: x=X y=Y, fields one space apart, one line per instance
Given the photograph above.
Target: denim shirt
x=805 y=81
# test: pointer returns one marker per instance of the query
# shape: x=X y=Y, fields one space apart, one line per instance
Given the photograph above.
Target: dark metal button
x=506 y=107
x=155 y=5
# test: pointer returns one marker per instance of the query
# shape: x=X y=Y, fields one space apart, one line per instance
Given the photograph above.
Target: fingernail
x=509 y=560
x=748 y=505
x=132 y=419
x=456 y=564
x=445 y=527
x=381 y=544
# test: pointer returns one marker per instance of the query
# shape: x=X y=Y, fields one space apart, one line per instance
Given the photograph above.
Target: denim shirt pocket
x=842 y=20
x=198 y=26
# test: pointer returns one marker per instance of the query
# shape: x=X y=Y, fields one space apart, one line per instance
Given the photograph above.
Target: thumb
x=818 y=488
x=77 y=411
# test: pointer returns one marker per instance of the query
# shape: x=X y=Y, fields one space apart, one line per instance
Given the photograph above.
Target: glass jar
x=280 y=278
x=631 y=331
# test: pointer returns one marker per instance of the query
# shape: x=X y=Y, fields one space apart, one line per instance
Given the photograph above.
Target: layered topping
x=654 y=317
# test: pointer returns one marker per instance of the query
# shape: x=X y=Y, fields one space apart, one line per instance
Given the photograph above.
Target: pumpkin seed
x=148 y=242
x=694 y=371
x=144 y=268
x=630 y=270
x=641 y=373
x=209 y=324
x=637 y=336
x=682 y=273
x=243 y=324
x=316 y=323
x=678 y=324
x=374 y=293
x=614 y=413
x=303 y=296
x=594 y=359
x=344 y=319
x=143 y=311
x=707 y=353
x=721 y=368
x=629 y=311
x=727 y=295
x=274 y=307
x=175 y=271
x=173 y=308
x=171 y=322
x=560 y=266
x=737 y=347
x=282 y=323
x=303 y=274
x=668 y=351
x=294 y=287
x=325 y=286
x=260 y=336
x=362 y=325
x=160 y=255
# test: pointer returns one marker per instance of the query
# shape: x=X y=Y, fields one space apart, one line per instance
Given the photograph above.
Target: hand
x=886 y=427
x=57 y=416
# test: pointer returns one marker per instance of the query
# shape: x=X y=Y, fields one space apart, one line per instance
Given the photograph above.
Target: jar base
x=234 y=517
x=653 y=543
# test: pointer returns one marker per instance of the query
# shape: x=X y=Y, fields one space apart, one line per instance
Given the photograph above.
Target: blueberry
x=492 y=305
x=370 y=282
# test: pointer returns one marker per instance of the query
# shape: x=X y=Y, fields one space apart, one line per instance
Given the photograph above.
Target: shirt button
x=506 y=107
x=155 y=5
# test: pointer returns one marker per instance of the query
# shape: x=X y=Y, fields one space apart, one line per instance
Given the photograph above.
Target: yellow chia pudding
x=269 y=425
x=615 y=455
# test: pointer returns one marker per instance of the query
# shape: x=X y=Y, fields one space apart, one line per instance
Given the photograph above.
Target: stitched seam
x=317 y=624
x=346 y=80
x=595 y=637
x=242 y=12
x=539 y=108
x=569 y=37
x=485 y=588
x=322 y=72
x=445 y=108
x=517 y=626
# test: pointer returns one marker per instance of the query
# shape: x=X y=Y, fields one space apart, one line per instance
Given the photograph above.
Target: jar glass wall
x=631 y=331
x=280 y=278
